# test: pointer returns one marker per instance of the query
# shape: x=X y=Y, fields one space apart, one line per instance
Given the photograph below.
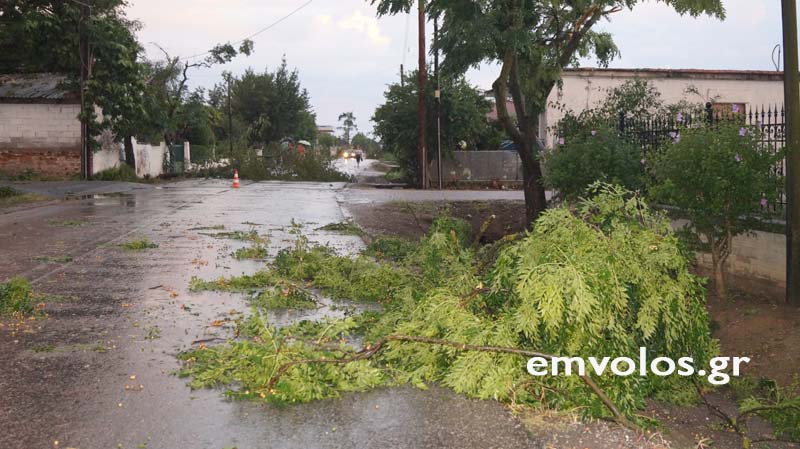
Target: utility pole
x=85 y=73
x=402 y=76
x=791 y=87
x=422 y=172
x=230 y=117
x=438 y=102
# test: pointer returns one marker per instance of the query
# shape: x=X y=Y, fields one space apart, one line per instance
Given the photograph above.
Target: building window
x=727 y=109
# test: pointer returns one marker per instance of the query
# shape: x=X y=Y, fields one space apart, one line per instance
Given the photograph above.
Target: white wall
x=40 y=126
x=149 y=158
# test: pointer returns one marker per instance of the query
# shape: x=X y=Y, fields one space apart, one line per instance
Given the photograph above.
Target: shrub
x=8 y=192
x=590 y=155
x=721 y=181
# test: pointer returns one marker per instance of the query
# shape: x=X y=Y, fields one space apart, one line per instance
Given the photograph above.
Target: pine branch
x=373 y=349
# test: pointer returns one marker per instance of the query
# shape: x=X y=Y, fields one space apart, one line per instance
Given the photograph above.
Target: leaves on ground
x=603 y=279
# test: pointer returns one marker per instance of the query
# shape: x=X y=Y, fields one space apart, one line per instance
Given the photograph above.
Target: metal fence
x=653 y=132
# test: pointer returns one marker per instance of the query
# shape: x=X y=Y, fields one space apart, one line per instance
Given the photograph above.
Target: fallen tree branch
x=373 y=349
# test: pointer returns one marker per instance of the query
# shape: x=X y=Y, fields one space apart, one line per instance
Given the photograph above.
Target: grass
x=344 y=227
x=10 y=196
x=122 y=173
x=16 y=296
x=139 y=245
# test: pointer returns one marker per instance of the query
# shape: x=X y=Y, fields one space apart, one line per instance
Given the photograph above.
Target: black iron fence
x=652 y=132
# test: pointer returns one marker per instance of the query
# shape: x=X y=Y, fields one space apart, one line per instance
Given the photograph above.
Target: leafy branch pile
x=603 y=279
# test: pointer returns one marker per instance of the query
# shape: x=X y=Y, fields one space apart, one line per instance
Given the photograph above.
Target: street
x=98 y=371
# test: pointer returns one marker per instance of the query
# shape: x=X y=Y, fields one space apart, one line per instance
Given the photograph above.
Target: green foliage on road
x=607 y=277
x=390 y=248
x=344 y=228
x=139 y=245
x=247 y=236
x=16 y=296
x=257 y=251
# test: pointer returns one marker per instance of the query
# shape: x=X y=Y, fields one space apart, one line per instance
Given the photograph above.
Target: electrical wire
x=266 y=28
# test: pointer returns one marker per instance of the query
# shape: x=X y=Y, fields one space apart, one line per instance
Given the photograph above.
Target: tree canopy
x=266 y=107
x=464 y=120
x=533 y=40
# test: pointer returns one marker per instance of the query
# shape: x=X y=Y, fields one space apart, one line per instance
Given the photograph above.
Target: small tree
x=721 y=181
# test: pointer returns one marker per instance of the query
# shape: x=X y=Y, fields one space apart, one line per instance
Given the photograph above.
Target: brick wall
x=53 y=164
x=44 y=138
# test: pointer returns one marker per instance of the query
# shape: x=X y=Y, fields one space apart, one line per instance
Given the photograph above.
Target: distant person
x=358 y=159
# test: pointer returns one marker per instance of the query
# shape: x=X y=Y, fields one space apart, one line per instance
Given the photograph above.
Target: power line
x=266 y=28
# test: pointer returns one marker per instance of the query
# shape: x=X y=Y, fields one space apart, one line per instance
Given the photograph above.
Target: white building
x=585 y=88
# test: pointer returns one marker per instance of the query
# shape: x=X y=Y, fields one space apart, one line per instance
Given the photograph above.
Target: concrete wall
x=759 y=256
x=45 y=138
x=586 y=88
x=149 y=159
x=466 y=166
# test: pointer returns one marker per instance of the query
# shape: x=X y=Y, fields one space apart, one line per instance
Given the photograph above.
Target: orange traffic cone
x=236 y=179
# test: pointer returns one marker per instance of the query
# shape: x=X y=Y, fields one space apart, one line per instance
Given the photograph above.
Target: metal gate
x=175 y=159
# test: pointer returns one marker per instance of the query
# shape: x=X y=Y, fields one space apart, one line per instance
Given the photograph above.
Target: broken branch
x=373 y=349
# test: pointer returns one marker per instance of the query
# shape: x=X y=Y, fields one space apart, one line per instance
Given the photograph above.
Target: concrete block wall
x=44 y=138
x=758 y=256
x=464 y=166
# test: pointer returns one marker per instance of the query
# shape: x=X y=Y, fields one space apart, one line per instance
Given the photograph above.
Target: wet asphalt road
x=98 y=371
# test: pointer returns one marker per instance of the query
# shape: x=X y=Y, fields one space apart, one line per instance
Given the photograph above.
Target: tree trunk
x=718 y=259
x=524 y=134
x=130 y=157
x=535 y=199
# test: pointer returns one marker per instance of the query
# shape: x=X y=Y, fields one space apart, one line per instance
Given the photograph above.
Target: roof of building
x=36 y=87
x=751 y=75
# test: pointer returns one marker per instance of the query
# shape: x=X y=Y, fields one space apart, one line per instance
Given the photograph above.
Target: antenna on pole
x=777 y=61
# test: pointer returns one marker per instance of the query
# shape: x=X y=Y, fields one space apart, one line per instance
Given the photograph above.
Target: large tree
x=464 y=120
x=533 y=40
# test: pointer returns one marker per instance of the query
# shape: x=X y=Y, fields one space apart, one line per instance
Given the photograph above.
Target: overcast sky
x=346 y=56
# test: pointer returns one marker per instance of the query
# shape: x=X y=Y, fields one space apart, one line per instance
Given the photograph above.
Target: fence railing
x=653 y=132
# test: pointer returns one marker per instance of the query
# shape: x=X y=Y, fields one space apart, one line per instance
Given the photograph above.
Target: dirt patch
x=412 y=220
